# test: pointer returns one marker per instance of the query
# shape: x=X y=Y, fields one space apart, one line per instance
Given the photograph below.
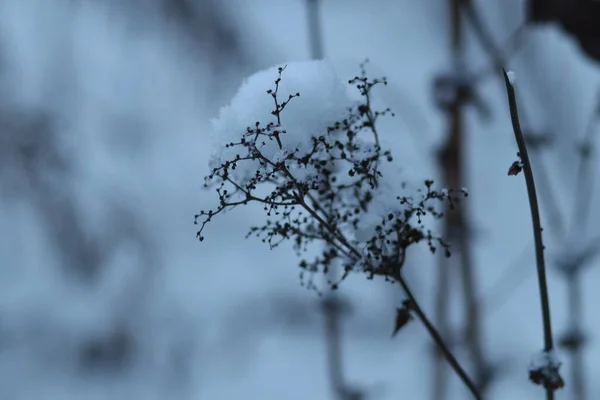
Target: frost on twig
x=291 y=129
x=544 y=370
x=512 y=77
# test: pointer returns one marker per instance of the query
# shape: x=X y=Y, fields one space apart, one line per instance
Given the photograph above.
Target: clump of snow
x=543 y=359
x=511 y=77
x=323 y=101
x=544 y=369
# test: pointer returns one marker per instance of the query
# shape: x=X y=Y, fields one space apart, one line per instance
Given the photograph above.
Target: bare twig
x=498 y=60
x=536 y=222
x=439 y=341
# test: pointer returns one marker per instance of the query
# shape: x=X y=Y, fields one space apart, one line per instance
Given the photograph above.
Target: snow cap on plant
x=320 y=99
x=293 y=141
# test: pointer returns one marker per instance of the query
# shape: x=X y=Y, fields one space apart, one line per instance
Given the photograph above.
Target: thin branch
x=428 y=325
x=498 y=60
x=535 y=217
x=437 y=338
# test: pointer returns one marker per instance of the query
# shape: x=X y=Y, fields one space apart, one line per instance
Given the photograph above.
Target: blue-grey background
x=104 y=140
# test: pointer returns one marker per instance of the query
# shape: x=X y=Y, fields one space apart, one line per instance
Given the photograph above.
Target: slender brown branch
x=535 y=217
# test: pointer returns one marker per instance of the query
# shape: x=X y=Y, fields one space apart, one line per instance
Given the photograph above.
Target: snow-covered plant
x=311 y=155
x=309 y=152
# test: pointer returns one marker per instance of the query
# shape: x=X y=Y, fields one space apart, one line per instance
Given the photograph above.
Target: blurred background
x=105 y=293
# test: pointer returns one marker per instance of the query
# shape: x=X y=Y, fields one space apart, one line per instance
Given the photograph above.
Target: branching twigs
x=329 y=205
x=551 y=380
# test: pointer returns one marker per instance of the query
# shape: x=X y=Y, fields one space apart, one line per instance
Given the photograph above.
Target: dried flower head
x=319 y=177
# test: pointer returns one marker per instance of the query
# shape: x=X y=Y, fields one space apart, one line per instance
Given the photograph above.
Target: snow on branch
x=294 y=141
x=544 y=370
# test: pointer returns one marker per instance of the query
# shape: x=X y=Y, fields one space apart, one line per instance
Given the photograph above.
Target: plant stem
x=437 y=338
x=535 y=218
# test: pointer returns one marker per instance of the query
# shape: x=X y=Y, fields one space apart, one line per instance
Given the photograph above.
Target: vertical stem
x=450 y=160
x=315 y=34
x=334 y=345
x=331 y=306
x=575 y=351
x=536 y=222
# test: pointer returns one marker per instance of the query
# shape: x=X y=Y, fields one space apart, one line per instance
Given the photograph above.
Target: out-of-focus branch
x=315 y=33
x=331 y=302
x=449 y=158
x=456 y=225
x=573 y=340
